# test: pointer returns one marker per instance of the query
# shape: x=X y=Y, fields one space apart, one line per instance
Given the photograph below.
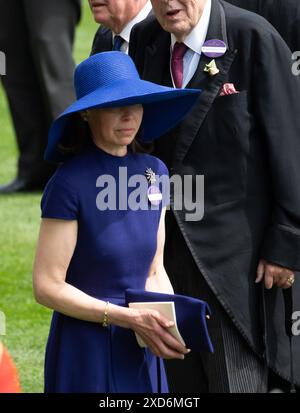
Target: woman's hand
x=153 y=328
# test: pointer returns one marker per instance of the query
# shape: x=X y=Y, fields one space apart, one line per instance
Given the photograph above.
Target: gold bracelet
x=105 y=317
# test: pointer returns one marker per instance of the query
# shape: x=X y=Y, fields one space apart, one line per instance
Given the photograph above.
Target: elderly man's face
x=115 y=14
x=178 y=16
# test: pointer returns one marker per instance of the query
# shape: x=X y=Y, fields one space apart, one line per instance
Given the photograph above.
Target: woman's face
x=114 y=128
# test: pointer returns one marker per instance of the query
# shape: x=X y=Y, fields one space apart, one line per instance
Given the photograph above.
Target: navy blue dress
x=114 y=251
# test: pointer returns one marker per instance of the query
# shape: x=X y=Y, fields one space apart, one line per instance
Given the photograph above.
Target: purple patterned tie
x=177 y=63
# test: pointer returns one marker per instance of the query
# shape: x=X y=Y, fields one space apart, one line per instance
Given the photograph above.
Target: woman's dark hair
x=78 y=137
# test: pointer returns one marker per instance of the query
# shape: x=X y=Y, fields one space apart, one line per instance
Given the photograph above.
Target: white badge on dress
x=153 y=193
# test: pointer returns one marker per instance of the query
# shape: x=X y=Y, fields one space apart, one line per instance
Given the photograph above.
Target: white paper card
x=167 y=309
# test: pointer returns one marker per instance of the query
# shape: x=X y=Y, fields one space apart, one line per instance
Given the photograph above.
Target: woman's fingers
x=167 y=337
x=162 y=320
x=170 y=353
x=153 y=327
x=161 y=349
x=164 y=342
x=173 y=343
x=165 y=352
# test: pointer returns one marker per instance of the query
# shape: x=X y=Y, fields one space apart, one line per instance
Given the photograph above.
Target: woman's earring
x=85 y=116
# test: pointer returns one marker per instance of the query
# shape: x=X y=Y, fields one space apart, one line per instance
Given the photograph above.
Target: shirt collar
x=125 y=33
x=197 y=36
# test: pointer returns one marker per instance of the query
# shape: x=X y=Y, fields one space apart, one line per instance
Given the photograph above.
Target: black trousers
x=233 y=367
x=37 y=37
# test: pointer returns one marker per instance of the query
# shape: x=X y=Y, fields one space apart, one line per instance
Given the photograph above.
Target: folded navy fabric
x=190 y=315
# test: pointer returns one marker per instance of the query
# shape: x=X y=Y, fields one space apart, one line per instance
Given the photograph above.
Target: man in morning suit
x=117 y=18
x=37 y=37
x=243 y=136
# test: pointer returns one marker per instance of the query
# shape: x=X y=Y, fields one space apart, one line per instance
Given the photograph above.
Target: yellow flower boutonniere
x=211 y=68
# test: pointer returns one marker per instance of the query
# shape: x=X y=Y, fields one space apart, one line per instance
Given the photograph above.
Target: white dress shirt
x=125 y=33
x=194 y=41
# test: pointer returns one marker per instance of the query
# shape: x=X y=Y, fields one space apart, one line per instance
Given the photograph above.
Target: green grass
x=27 y=323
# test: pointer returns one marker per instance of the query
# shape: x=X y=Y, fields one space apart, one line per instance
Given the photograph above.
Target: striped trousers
x=233 y=367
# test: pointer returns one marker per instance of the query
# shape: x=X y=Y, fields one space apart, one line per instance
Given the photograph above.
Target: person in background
x=37 y=37
x=117 y=17
x=284 y=15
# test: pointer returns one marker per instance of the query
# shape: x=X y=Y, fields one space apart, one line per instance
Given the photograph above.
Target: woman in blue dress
x=101 y=234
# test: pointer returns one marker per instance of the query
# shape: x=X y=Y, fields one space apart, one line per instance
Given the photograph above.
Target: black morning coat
x=247 y=146
x=284 y=15
x=102 y=41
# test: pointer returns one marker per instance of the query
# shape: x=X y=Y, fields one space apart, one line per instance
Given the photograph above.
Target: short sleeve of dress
x=59 y=200
x=164 y=183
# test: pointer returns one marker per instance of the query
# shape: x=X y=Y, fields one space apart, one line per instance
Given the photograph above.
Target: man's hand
x=274 y=275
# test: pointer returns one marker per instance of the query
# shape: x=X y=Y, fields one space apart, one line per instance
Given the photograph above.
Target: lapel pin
x=150 y=175
x=153 y=193
x=214 y=48
x=211 y=68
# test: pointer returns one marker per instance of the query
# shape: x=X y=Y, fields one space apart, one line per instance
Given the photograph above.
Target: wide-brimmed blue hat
x=191 y=316
x=110 y=79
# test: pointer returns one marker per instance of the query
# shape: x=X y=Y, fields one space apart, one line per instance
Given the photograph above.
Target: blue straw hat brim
x=164 y=107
